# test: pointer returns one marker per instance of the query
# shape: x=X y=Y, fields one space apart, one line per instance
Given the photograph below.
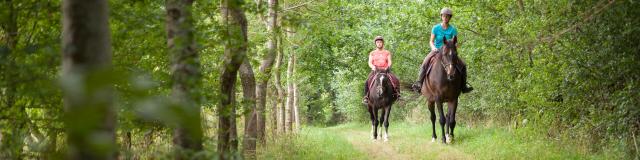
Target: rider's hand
x=435 y=49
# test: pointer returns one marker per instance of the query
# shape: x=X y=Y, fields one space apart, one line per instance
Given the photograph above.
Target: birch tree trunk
x=277 y=107
x=296 y=95
x=265 y=68
x=289 y=105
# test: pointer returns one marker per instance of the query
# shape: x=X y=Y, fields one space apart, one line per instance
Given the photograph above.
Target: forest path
x=410 y=140
x=402 y=144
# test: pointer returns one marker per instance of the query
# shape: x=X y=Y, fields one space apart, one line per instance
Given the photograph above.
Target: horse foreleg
x=374 y=122
x=431 y=107
x=381 y=122
x=442 y=120
x=451 y=119
x=387 y=112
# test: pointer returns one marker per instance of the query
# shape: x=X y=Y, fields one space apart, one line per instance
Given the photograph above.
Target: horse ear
x=455 y=40
x=444 y=39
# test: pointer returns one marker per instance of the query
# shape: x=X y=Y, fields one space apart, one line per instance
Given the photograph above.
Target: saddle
x=395 y=83
x=432 y=59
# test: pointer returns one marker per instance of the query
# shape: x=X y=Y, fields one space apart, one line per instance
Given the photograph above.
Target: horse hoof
x=449 y=138
x=433 y=140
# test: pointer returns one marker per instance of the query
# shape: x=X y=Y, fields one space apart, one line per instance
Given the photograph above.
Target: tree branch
x=296 y=6
x=555 y=36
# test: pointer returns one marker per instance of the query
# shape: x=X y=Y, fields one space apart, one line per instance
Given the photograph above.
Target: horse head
x=449 y=53
x=381 y=79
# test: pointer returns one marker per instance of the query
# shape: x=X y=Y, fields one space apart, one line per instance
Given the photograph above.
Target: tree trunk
x=274 y=109
x=290 y=81
x=250 y=117
x=13 y=136
x=279 y=105
x=86 y=61
x=234 y=19
x=186 y=76
x=275 y=112
x=265 y=68
x=296 y=116
x=148 y=138
x=127 y=146
x=52 y=144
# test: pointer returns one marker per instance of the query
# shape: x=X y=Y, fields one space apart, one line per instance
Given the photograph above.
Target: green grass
x=351 y=141
x=310 y=143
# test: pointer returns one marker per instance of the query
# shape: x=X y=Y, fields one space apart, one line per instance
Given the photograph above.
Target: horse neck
x=438 y=74
x=437 y=70
x=386 y=86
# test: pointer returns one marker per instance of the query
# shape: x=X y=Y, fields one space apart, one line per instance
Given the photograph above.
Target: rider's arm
x=370 y=62
x=431 y=42
x=389 y=60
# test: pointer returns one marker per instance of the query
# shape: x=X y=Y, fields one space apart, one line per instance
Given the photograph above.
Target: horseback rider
x=438 y=32
x=380 y=59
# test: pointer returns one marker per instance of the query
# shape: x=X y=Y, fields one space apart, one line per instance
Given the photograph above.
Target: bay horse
x=380 y=98
x=443 y=84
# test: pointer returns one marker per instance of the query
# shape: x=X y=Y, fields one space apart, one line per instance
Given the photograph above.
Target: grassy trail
x=413 y=141
x=400 y=146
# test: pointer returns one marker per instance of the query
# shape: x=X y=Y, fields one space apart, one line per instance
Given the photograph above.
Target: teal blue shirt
x=439 y=32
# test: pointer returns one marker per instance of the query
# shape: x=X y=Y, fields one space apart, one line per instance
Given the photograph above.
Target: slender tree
x=250 y=117
x=265 y=67
x=296 y=116
x=86 y=63
x=278 y=106
x=186 y=76
x=288 y=120
x=235 y=22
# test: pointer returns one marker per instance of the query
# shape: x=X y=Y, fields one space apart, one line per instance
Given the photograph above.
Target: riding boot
x=365 y=100
x=466 y=88
x=418 y=85
x=423 y=72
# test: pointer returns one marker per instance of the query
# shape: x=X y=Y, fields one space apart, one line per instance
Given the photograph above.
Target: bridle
x=380 y=81
x=445 y=65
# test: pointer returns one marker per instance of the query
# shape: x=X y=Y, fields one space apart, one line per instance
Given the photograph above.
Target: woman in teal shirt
x=438 y=32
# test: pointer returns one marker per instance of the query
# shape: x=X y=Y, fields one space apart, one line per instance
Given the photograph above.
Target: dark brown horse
x=444 y=84
x=380 y=98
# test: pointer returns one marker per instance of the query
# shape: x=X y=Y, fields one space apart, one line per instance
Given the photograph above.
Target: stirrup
x=467 y=89
x=416 y=87
x=365 y=100
x=397 y=95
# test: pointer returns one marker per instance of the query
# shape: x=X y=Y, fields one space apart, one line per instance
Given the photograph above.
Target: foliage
x=563 y=70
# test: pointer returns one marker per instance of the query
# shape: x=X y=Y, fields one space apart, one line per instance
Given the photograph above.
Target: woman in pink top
x=380 y=59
